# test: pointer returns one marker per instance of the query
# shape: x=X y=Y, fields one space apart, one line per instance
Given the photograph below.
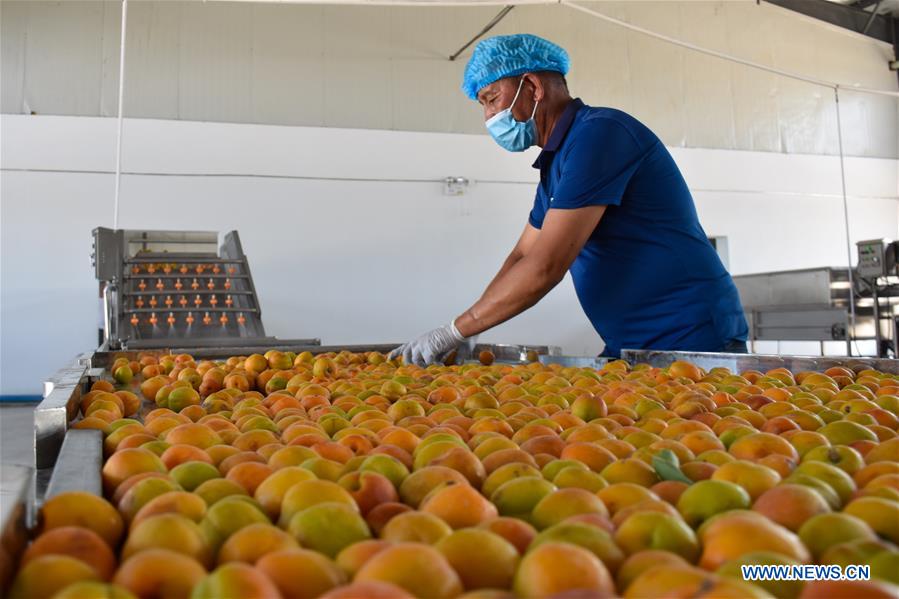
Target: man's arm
x=524 y=245
x=526 y=277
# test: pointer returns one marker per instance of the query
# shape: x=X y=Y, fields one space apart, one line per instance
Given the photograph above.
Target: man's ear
x=537 y=84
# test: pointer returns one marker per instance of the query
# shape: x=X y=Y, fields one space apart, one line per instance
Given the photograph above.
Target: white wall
x=387 y=68
x=374 y=260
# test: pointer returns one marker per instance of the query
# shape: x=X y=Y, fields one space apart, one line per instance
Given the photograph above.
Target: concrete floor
x=17 y=433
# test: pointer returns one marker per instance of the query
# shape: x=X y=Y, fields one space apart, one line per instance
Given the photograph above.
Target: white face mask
x=512 y=135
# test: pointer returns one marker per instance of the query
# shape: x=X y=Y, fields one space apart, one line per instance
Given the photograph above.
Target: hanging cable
x=724 y=56
x=851 y=332
x=118 y=149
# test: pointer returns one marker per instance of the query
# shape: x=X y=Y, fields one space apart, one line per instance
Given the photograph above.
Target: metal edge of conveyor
x=762 y=362
x=503 y=352
x=576 y=361
x=79 y=464
x=16 y=502
x=53 y=414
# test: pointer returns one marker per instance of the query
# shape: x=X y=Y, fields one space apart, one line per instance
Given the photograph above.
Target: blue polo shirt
x=648 y=277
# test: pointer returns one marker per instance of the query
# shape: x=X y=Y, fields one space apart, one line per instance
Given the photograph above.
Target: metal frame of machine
x=167 y=287
x=815 y=304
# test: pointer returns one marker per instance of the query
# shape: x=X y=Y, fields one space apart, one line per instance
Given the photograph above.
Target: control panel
x=874 y=258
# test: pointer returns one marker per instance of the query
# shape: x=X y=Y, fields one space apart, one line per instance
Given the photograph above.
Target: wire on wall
x=118 y=150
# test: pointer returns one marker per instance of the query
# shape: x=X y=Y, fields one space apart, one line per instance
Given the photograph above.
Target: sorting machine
x=817 y=304
x=164 y=287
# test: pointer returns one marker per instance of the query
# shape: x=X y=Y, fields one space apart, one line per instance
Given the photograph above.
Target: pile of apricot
x=346 y=475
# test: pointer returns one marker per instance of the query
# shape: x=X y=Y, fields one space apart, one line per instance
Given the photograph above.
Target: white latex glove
x=432 y=346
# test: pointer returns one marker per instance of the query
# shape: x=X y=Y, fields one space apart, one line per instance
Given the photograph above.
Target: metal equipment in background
x=814 y=304
x=877 y=284
x=161 y=288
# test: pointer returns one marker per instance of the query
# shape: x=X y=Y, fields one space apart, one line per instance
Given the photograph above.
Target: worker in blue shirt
x=611 y=207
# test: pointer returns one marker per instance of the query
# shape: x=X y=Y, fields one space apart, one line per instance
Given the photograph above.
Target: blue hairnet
x=508 y=55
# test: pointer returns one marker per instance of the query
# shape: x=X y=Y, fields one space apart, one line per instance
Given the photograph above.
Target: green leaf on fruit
x=667 y=466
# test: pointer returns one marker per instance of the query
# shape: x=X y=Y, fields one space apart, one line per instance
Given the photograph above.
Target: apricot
x=857 y=589
x=236 y=580
x=80 y=543
x=732 y=534
x=300 y=573
x=46 y=575
x=190 y=475
x=642 y=561
x=880 y=514
x=704 y=499
x=292 y=455
x=328 y=527
x=656 y=530
x=192 y=433
x=562 y=503
x=596 y=458
x=214 y=490
x=352 y=558
x=790 y=505
x=465 y=462
x=83 y=509
x=579 y=478
x=836 y=478
x=93 y=590
x=778 y=588
x=620 y=495
x=506 y=473
x=481 y=558
x=820 y=533
x=540 y=576
x=168 y=531
x=227 y=516
x=371 y=589
x=754 y=478
x=381 y=514
x=680 y=581
x=421 y=482
x=417 y=568
x=459 y=505
x=176 y=455
x=592 y=538
x=174 y=502
x=143 y=492
x=517 y=532
x=252 y=542
x=249 y=475
x=519 y=496
x=126 y=463
x=307 y=493
x=418 y=527
x=271 y=491
x=159 y=573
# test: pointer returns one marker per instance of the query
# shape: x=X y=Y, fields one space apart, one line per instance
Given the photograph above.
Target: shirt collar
x=560 y=130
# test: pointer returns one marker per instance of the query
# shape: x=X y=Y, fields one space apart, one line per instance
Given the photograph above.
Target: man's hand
x=430 y=347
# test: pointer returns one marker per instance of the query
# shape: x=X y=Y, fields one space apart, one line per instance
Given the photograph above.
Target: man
x=611 y=207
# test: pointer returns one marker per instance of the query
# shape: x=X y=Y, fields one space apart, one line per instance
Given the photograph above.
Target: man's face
x=497 y=96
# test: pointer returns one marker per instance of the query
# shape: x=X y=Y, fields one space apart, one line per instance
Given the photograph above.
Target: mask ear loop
x=520 y=83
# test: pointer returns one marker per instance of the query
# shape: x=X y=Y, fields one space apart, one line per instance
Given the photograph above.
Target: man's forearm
x=514 y=290
x=510 y=262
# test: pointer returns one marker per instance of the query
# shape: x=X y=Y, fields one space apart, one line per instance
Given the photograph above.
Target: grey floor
x=17 y=433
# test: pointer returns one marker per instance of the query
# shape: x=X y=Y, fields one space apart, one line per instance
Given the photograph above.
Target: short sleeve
x=598 y=165
x=538 y=212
